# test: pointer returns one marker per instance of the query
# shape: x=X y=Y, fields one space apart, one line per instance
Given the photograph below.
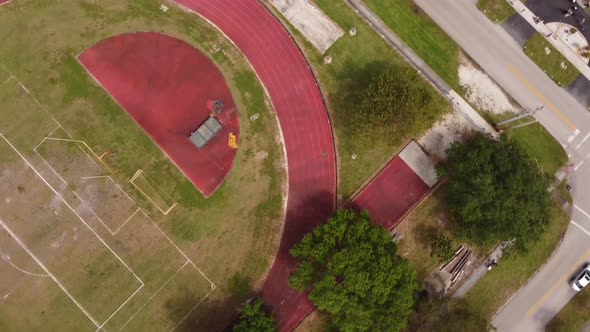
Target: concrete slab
x=419 y=162
x=318 y=28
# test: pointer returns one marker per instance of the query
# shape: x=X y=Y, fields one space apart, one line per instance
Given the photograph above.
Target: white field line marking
x=24 y=88
x=119 y=308
x=44 y=138
x=23 y=271
x=191 y=311
x=70 y=207
x=38 y=261
x=74 y=192
x=8 y=79
x=123 y=224
x=54 y=171
x=175 y=246
x=584 y=140
x=580 y=227
x=151 y=297
x=583 y=212
x=87 y=177
x=578 y=165
x=35 y=99
x=123 y=191
x=94 y=177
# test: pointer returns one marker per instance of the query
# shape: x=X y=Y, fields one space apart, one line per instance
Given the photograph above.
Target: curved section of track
x=306 y=132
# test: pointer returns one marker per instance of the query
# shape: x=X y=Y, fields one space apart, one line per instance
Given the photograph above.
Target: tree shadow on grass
x=425 y=234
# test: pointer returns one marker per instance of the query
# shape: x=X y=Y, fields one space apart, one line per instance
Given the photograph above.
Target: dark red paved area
x=306 y=131
x=4 y=1
x=391 y=193
x=165 y=84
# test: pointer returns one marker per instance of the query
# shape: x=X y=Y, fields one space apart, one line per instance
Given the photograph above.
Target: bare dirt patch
x=80 y=170
x=452 y=127
x=84 y=265
x=482 y=91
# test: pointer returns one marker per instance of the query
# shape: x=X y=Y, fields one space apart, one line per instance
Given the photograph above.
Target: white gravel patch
x=482 y=91
x=443 y=133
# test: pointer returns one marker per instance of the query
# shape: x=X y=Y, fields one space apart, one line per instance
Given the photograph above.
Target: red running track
x=390 y=194
x=305 y=128
x=4 y=2
x=167 y=86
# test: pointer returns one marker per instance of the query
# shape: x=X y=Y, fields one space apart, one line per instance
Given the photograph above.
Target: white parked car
x=582 y=279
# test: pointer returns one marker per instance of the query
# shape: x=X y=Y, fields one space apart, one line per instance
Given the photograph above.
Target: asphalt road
x=502 y=58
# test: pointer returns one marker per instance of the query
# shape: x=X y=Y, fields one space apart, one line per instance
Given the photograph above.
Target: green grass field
x=541 y=146
x=574 y=315
x=496 y=10
x=356 y=60
x=424 y=36
x=550 y=63
x=39 y=43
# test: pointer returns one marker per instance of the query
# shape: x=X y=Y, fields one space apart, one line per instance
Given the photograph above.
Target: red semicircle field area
x=168 y=87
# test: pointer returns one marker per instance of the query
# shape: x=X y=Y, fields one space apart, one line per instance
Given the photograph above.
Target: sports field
x=100 y=230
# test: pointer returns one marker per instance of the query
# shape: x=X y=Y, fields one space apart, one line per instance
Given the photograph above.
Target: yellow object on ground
x=232 y=141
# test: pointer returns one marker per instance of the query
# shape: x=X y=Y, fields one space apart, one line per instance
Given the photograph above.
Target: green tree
x=355 y=275
x=496 y=192
x=442 y=247
x=395 y=104
x=253 y=318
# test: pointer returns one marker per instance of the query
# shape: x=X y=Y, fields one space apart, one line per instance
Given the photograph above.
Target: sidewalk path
x=479 y=272
x=544 y=30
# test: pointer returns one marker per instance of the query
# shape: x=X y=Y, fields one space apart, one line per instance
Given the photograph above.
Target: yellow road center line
x=559 y=282
x=541 y=96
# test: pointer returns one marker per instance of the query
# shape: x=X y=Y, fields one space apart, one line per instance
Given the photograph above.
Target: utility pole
x=526 y=113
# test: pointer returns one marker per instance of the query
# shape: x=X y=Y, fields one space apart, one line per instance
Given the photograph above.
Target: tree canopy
x=496 y=192
x=253 y=318
x=355 y=275
x=398 y=102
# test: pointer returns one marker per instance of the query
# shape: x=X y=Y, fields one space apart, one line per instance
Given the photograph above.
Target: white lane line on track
x=583 y=212
x=578 y=165
x=583 y=141
x=580 y=227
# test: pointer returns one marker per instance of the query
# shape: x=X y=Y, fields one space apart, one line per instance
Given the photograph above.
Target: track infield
x=167 y=86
